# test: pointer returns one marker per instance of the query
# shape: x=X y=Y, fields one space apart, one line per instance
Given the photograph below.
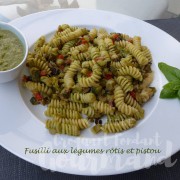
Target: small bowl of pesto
x=13 y=52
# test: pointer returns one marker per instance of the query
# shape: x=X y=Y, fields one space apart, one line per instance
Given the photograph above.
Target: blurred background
x=142 y=9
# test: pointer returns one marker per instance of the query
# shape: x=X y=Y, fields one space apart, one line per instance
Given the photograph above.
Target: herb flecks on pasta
x=82 y=75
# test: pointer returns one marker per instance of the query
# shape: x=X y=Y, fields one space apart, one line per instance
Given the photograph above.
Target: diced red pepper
x=111 y=103
x=89 y=74
x=133 y=94
x=115 y=36
x=25 y=78
x=38 y=96
x=60 y=56
x=99 y=59
x=61 y=67
x=108 y=76
x=68 y=61
x=130 y=40
x=43 y=73
x=83 y=41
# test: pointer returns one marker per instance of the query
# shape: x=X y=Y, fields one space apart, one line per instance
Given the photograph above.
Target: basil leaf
x=174 y=85
x=168 y=93
x=171 y=73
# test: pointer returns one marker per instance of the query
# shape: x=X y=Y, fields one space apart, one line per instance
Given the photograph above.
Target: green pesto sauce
x=11 y=50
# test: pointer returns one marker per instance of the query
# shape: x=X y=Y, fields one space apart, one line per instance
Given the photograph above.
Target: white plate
x=21 y=125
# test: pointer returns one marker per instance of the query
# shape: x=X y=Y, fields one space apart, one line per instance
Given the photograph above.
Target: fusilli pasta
x=90 y=73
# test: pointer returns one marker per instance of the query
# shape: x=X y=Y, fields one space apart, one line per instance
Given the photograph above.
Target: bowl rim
x=25 y=45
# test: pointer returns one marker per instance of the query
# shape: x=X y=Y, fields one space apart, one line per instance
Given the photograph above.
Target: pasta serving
x=82 y=75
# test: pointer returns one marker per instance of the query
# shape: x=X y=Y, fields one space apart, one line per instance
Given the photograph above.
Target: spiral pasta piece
x=30 y=55
x=101 y=55
x=47 y=51
x=132 y=102
x=50 y=81
x=93 y=33
x=40 y=64
x=127 y=61
x=69 y=75
x=79 y=48
x=93 y=80
x=128 y=110
x=126 y=37
x=62 y=27
x=121 y=44
x=116 y=117
x=39 y=43
x=83 y=98
x=111 y=48
x=142 y=60
x=145 y=94
x=81 y=123
x=147 y=80
x=102 y=107
x=63 y=113
x=55 y=103
x=89 y=111
x=130 y=71
x=67 y=46
x=62 y=128
x=55 y=42
x=119 y=126
x=70 y=129
x=73 y=35
x=105 y=55
x=102 y=33
x=94 y=52
x=88 y=64
x=147 y=53
x=125 y=83
x=101 y=44
x=64 y=32
x=33 y=86
x=121 y=105
x=137 y=42
x=81 y=56
x=73 y=28
x=119 y=96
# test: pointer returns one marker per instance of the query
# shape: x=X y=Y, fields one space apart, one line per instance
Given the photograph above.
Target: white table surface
x=142 y=9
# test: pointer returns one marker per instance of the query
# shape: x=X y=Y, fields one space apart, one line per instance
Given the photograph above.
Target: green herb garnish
x=172 y=88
